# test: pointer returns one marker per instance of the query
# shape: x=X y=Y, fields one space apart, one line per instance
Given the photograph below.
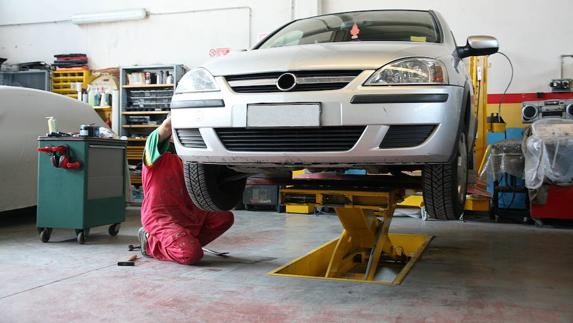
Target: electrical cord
x=478 y=94
x=508 y=84
x=505 y=91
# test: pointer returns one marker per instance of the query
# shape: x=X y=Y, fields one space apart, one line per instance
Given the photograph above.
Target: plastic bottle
x=91 y=96
x=85 y=97
x=168 y=78
x=52 y=126
x=97 y=98
x=104 y=101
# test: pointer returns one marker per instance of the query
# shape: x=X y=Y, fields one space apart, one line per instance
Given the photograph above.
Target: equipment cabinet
x=88 y=194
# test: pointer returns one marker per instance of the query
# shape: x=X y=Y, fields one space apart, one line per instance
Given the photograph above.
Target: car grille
x=305 y=81
x=290 y=139
x=406 y=136
x=190 y=138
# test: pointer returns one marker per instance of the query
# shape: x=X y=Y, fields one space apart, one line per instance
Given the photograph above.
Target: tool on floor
x=129 y=262
x=206 y=250
x=216 y=253
x=133 y=247
x=365 y=251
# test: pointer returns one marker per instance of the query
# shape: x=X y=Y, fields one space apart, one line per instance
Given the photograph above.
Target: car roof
x=366 y=10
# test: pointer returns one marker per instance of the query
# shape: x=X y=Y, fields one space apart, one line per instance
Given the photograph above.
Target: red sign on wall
x=222 y=51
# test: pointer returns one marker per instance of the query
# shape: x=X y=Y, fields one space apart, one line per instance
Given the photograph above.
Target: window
x=385 y=25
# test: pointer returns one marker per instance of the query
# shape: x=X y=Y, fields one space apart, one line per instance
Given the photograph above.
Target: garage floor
x=472 y=271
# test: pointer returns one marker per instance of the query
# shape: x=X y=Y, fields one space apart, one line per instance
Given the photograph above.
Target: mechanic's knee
x=190 y=255
x=186 y=250
x=227 y=220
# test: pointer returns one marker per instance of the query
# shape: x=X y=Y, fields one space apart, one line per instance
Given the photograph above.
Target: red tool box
x=558 y=203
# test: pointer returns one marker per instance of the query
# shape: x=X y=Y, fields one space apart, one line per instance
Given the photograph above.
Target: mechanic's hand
x=165 y=130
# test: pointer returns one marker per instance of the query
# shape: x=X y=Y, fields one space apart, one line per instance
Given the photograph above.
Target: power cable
x=508 y=84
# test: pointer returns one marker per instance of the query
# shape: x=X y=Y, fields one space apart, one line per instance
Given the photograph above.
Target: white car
x=384 y=90
x=23 y=115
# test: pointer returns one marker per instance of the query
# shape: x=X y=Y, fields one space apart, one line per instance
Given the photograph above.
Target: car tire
x=445 y=186
x=213 y=187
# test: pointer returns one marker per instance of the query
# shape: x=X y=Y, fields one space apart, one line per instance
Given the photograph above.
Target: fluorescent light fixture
x=109 y=16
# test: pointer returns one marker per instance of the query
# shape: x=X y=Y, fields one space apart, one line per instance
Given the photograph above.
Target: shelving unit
x=62 y=82
x=143 y=107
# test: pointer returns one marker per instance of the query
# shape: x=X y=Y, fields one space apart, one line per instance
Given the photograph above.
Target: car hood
x=328 y=56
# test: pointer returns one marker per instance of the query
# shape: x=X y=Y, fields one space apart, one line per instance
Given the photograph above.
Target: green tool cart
x=81 y=184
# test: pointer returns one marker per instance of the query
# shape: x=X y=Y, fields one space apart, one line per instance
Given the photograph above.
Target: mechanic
x=174 y=229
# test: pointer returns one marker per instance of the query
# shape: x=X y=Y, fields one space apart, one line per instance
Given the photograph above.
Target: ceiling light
x=110 y=16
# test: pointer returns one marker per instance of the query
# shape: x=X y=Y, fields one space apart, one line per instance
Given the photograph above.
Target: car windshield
x=385 y=25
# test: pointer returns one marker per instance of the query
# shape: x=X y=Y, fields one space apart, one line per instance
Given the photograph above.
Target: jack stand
x=365 y=250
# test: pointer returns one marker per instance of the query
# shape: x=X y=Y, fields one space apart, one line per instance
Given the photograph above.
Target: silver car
x=384 y=90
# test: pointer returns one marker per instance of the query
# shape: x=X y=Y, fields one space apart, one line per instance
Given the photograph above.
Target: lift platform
x=365 y=251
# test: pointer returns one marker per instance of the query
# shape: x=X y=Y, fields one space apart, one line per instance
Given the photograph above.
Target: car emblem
x=286 y=82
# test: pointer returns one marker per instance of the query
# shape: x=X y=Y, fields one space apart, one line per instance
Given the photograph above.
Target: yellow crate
x=300 y=209
x=477 y=204
x=62 y=81
x=412 y=201
x=63 y=90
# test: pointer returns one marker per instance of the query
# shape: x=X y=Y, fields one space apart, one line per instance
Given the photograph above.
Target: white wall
x=532 y=33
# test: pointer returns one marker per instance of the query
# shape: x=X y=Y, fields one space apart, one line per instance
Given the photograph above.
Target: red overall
x=176 y=228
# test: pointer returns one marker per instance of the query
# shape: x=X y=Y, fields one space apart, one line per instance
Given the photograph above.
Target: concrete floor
x=472 y=271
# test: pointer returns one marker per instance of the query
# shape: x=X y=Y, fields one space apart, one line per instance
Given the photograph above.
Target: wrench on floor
x=216 y=253
x=206 y=250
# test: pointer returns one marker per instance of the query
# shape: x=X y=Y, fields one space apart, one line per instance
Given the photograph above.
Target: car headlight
x=410 y=71
x=197 y=80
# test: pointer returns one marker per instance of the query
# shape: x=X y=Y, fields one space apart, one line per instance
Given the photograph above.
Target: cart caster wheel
x=45 y=234
x=113 y=229
x=85 y=231
x=81 y=237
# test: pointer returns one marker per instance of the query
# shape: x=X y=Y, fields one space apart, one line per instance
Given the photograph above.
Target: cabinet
x=85 y=197
x=34 y=79
x=144 y=99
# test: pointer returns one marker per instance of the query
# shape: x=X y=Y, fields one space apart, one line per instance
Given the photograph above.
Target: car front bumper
x=354 y=105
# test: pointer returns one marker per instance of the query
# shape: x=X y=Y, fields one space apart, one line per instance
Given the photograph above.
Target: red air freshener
x=355 y=31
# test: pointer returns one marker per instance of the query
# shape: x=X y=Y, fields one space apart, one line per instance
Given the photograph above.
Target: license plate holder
x=283 y=115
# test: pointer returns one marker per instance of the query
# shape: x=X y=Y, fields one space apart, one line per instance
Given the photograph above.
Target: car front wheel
x=445 y=185
x=214 y=187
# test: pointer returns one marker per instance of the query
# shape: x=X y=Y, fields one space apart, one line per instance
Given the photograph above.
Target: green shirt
x=153 y=149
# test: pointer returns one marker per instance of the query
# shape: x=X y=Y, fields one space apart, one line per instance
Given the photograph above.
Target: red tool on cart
x=60 y=156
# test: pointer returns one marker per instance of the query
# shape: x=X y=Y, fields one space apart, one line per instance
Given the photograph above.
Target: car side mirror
x=478 y=46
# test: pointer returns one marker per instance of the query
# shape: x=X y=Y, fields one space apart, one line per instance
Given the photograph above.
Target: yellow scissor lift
x=365 y=251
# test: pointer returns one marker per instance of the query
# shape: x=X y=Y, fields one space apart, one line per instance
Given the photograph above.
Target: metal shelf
x=140 y=126
x=143 y=96
x=144 y=112
x=147 y=86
